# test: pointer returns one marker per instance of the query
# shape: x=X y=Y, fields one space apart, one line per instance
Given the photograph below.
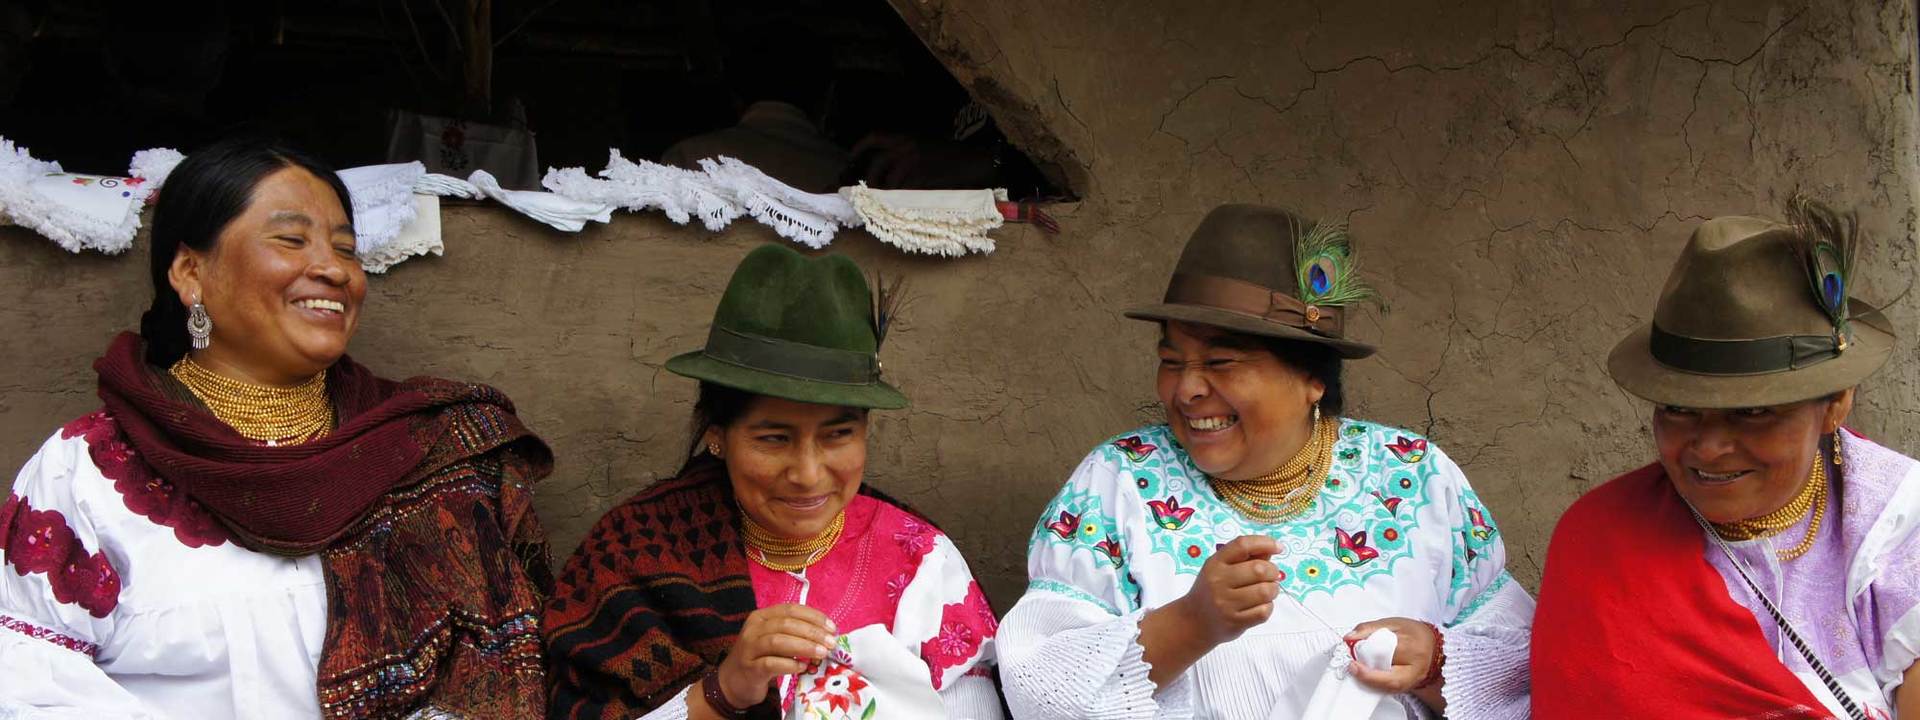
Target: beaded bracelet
x=1439 y=657
x=717 y=699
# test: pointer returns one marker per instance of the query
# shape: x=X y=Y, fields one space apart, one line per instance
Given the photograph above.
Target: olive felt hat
x=798 y=328
x=1755 y=314
x=1264 y=271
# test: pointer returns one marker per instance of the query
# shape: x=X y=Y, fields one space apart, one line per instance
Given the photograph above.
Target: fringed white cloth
x=641 y=185
x=80 y=212
x=935 y=222
x=154 y=166
x=810 y=219
x=560 y=212
x=382 y=205
x=420 y=236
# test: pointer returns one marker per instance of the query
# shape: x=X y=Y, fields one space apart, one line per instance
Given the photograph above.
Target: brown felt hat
x=1741 y=324
x=1264 y=271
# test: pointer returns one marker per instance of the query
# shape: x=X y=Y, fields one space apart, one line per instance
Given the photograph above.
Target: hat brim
x=700 y=366
x=1635 y=370
x=1248 y=324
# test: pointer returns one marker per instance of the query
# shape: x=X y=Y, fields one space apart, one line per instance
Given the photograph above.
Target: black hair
x=1319 y=362
x=201 y=196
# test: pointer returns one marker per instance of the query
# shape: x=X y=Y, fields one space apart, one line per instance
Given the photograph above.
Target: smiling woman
x=1218 y=564
x=764 y=560
x=254 y=525
x=1807 y=604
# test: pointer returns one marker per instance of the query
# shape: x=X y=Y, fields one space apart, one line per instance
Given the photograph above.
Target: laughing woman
x=1212 y=566
x=254 y=525
x=765 y=575
x=1767 y=563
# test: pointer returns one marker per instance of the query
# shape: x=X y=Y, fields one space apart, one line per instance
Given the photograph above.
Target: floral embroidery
x=146 y=494
x=1474 y=534
x=1112 y=549
x=1066 y=526
x=40 y=541
x=839 y=692
x=1408 y=451
x=1168 y=513
x=39 y=633
x=1481 y=530
x=964 y=627
x=1371 y=498
x=914 y=537
x=1136 y=449
x=1392 y=503
x=1353 y=548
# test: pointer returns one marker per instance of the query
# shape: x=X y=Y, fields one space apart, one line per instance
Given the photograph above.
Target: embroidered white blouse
x=1396 y=531
x=120 y=598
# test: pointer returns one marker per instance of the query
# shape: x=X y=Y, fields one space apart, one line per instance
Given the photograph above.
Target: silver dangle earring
x=1316 y=414
x=199 y=326
x=713 y=448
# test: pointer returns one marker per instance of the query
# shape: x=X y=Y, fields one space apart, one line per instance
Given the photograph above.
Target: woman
x=254 y=525
x=1215 y=566
x=1764 y=565
x=763 y=576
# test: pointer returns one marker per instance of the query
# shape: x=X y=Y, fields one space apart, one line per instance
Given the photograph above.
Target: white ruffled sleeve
x=945 y=616
x=1489 y=616
x=58 y=593
x=1070 y=648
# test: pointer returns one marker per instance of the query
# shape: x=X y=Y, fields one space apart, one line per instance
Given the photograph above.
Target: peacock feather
x=1328 y=275
x=1826 y=242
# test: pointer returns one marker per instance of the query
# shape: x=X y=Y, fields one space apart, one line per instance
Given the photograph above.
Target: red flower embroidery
x=964 y=627
x=146 y=494
x=39 y=541
x=1066 y=526
x=1168 y=513
x=840 y=688
x=914 y=537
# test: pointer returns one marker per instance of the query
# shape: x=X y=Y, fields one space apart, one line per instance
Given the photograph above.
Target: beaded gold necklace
x=763 y=545
x=1812 y=498
x=275 y=416
x=1292 y=488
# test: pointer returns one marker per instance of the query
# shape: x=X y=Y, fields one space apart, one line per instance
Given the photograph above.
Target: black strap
x=1806 y=653
x=792 y=359
x=1742 y=357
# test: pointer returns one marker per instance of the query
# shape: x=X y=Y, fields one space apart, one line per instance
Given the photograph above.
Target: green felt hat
x=797 y=328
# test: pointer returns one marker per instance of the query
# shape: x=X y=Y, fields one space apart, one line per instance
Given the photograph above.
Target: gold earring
x=1316 y=414
x=1838 y=459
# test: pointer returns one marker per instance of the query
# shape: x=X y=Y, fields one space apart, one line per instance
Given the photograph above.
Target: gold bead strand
x=271 y=415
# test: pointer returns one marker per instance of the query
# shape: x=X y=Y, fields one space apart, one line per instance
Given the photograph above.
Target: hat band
x=792 y=359
x=1741 y=357
x=1246 y=298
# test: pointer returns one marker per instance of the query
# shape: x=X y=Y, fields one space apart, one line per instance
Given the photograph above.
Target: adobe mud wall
x=1518 y=177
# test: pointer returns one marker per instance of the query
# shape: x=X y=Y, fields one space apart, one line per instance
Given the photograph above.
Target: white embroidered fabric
x=560 y=212
x=935 y=222
x=641 y=185
x=80 y=212
x=447 y=186
x=419 y=237
x=154 y=166
x=807 y=218
x=382 y=205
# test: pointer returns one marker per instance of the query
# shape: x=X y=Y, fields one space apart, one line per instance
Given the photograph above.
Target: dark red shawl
x=1633 y=622
x=419 y=505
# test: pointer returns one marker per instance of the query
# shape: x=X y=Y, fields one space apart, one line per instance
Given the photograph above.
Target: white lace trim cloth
x=934 y=222
x=80 y=212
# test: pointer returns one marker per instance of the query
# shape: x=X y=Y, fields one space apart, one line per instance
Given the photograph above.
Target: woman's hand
x=1412 y=658
x=774 y=641
x=1235 y=590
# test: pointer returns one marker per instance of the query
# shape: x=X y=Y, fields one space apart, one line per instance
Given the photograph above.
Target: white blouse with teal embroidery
x=1396 y=532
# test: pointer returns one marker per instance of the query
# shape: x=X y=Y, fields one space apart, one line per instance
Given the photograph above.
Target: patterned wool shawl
x=419 y=504
x=653 y=599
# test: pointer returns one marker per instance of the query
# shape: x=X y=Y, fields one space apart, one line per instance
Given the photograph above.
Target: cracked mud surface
x=1518 y=177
